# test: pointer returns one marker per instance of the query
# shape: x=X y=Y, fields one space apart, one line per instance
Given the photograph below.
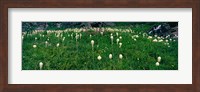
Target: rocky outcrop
x=27 y=26
x=165 y=29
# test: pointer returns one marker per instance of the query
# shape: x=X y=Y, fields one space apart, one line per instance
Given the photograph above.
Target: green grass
x=71 y=55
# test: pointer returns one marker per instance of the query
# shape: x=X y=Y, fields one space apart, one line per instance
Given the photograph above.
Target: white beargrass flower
x=170 y=39
x=92 y=42
x=35 y=38
x=40 y=65
x=101 y=33
x=166 y=40
x=57 y=44
x=167 y=36
x=63 y=38
x=117 y=40
x=90 y=36
x=111 y=37
x=110 y=56
x=46 y=42
x=117 y=34
x=120 y=37
x=111 y=34
x=135 y=39
x=120 y=45
x=77 y=36
x=159 y=59
x=157 y=63
x=166 y=43
x=160 y=40
x=99 y=57
x=120 y=56
x=155 y=40
x=72 y=35
x=132 y=37
x=155 y=35
x=34 y=46
x=149 y=37
x=136 y=36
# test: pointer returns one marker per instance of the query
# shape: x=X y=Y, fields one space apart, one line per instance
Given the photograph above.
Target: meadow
x=108 y=48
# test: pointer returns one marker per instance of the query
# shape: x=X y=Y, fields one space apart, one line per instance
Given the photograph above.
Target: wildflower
x=110 y=56
x=111 y=37
x=166 y=43
x=63 y=38
x=35 y=38
x=132 y=37
x=34 y=46
x=99 y=57
x=167 y=36
x=166 y=40
x=157 y=63
x=57 y=44
x=120 y=37
x=117 y=33
x=40 y=65
x=149 y=37
x=72 y=35
x=117 y=40
x=159 y=59
x=120 y=56
x=92 y=42
x=155 y=35
x=155 y=40
x=77 y=36
x=160 y=40
x=136 y=36
x=135 y=39
x=90 y=36
x=101 y=33
x=120 y=45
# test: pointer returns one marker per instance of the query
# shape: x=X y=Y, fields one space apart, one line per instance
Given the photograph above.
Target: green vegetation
x=139 y=50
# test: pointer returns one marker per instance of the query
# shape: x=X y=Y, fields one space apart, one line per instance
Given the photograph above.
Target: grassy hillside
x=139 y=50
